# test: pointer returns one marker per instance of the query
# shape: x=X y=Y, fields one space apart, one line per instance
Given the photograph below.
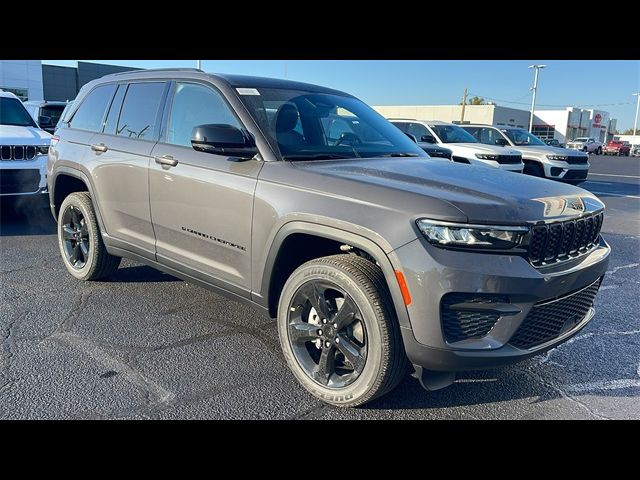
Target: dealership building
x=563 y=125
x=31 y=80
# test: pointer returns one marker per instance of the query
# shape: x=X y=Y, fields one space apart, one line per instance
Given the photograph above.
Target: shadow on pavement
x=26 y=216
x=142 y=274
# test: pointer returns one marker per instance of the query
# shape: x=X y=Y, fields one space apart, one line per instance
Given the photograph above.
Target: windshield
x=581 y=139
x=12 y=112
x=303 y=125
x=53 y=111
x=452 y=134
x=522 y=137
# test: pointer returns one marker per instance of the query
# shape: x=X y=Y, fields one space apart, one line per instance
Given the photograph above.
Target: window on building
x=21 y=93
x=139 y=114
x=91 y=112
x=544 y=132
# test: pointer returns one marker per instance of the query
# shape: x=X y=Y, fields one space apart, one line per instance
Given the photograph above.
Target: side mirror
x=44 y=121
x=412 y=137
x=223 y=139
x=502 y=142
x=428 y=138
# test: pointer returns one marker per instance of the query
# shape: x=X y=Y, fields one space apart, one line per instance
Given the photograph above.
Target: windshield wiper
x=316 y=156
x=400 y=154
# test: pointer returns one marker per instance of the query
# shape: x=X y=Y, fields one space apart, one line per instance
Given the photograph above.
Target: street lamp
x=635 y=122
x=534 y=89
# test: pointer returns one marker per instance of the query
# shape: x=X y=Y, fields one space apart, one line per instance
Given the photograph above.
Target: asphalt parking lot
x=146 y=345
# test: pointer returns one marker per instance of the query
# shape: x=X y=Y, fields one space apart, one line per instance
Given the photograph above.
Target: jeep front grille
x=560 y=241
x=18 y=152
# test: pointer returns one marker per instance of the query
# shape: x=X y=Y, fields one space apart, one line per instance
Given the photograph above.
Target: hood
x=482 y=195
x=473 y=148
x=576 y=142
x=545 y=150
x=15 y=135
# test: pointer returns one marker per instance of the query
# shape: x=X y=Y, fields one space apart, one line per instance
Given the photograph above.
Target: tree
x=629 y=131
x=475 y=101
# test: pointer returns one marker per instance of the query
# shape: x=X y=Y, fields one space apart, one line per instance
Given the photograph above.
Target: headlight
x=472 y=236
x=562 y=158
x=487 y=156
x=42 y=149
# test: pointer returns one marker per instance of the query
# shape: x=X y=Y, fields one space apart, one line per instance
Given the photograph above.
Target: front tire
x=81 y=246
x=339 y=332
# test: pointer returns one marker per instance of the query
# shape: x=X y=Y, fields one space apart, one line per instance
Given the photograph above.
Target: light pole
x=635 y=122
x=534 y=89
x=199 y=64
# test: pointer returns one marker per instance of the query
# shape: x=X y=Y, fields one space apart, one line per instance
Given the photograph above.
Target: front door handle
x=100 y=147
x=167 y=160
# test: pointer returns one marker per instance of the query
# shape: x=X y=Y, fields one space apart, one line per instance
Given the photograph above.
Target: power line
x=551 y=104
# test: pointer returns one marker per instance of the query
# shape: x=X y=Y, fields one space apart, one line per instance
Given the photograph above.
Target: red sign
x=597 y=118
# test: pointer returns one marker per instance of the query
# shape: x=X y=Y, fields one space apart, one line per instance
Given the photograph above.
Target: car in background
x=635 y=150
x=540 y=159
x=586 y=144
x=553 y=142
x=23 y=151
x=47 y=114
x=65 y=114
x=617 y=147
x=464 y=147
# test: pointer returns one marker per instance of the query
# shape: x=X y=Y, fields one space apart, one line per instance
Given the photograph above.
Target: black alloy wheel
x=327 y=334
x=75 y=236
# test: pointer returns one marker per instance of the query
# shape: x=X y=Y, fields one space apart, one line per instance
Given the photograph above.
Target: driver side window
x=417 y=130
x=193 y=105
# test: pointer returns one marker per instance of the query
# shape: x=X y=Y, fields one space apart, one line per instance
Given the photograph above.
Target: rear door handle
x=166 y=160
x=100 y=147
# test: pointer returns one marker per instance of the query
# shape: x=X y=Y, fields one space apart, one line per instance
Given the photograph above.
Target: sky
x=605 y=85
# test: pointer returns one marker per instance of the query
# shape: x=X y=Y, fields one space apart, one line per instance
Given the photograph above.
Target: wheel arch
x=277 y=270
x=68 y=180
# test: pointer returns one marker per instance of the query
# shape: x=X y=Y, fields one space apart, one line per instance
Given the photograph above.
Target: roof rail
x=160 y=70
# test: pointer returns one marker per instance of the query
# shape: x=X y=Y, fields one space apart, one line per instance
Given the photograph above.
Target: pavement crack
x=69 y=320
x=8 y=346
x=312 y=413
x=564 y=394
x=188 y=341
x=273 y=345
x=616 y=269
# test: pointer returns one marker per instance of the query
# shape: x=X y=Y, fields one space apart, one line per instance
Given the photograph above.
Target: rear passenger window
x=139 y=117
x=114 y=111
x=90 y=114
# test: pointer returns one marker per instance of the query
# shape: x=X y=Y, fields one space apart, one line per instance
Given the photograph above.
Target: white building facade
x=22 y=78
x=570 y=123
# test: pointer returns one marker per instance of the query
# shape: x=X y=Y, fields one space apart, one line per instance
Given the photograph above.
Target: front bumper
x=23 y=177
x=560 y=170
x=432 y=272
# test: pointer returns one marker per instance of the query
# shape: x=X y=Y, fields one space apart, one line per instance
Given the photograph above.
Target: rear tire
x=379 y=353
x=81 y=246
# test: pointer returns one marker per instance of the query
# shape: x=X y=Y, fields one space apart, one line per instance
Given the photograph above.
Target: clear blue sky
x=400 y=82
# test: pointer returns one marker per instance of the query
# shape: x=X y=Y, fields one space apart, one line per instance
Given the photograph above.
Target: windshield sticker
x=248 y=91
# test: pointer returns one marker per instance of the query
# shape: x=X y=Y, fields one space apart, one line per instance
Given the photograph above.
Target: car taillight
x=54 y=140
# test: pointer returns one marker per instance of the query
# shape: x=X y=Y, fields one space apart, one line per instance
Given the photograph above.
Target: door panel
x=202 y=210
x=202 y=207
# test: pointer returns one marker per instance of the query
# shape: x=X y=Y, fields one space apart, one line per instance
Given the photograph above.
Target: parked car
x=464 y=148
x=617 y=147
x=539 y=159
x=553 y=142
x=23 y=151
x=365 y=250
x=46 y=114
x=586 y=144
x=434 y=151
x=635 y=150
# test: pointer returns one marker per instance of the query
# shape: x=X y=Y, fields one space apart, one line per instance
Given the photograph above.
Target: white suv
x=23 y=150
x=464 y=147
x=540 y=159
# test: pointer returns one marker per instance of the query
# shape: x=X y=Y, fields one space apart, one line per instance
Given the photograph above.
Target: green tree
x=628 y=131
x=475 y=101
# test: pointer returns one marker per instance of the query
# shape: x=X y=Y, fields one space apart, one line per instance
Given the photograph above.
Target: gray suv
x=371 y=255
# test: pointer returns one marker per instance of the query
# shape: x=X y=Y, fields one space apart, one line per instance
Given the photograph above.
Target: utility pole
x=199 y=64
x=464 y=104
x=534 y=89
x=635 y=122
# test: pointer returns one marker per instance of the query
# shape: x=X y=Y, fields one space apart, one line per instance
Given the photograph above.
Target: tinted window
x=194 y=105
x=139 y=115
x=114 y=110
x=453 y=134
x=12 y=112
x=90 y=114
x=489 y=136
x=417 y=131
x=401 y=125
x=522 y=137
x=52 y=111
